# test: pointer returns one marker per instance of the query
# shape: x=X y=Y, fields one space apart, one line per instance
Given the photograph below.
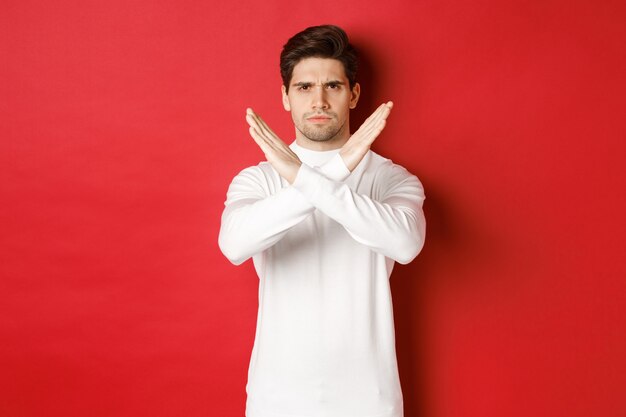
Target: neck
x=313 y=145
x=336 y=142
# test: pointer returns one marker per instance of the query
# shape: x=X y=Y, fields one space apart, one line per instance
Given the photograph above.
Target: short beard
x=320 y=135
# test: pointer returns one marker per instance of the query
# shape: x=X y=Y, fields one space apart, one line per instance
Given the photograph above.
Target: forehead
x=318 y=69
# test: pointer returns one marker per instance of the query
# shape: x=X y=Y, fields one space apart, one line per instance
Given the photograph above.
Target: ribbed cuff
x=335 y=169
x=307 y=180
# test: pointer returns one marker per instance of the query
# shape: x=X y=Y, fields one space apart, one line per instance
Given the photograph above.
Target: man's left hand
x=277 y=153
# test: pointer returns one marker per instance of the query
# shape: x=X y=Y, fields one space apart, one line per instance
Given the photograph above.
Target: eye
x=332 y=86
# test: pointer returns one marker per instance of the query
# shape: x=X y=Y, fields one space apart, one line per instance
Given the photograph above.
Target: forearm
x=394 y=226
x=255 y=218
x=251 y=227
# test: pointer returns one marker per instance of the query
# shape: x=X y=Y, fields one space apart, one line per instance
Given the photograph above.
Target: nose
x=319 y=98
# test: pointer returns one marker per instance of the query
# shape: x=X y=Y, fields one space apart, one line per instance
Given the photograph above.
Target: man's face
x=320 y=100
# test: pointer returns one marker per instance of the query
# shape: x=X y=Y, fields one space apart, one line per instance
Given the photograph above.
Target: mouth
x=318 y=119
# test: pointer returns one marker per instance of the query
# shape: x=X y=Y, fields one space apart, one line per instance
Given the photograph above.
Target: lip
x=318 y=119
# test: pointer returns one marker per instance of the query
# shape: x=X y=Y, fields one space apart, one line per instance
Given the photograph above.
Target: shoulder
x=261 y=171
x=390 y=180
x=385 y=169
x=261 y=177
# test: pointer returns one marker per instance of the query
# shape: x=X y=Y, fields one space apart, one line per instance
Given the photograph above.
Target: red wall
x=122 y=124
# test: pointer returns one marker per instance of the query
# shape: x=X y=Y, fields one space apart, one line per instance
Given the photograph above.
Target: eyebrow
x=309 y=84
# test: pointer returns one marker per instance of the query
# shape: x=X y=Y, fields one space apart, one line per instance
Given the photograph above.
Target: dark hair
x=326 y=41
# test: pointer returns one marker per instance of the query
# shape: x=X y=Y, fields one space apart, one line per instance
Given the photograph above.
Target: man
x=324 y=220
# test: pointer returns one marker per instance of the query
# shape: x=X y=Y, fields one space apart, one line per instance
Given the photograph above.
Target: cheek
x=296 y=115
x=342 y=102
x=342 y=107
x=297 y=108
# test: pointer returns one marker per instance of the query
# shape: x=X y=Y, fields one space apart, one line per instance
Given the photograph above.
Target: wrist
x=294 y=172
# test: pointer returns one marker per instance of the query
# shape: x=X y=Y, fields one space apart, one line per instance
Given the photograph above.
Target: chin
x=318 y=136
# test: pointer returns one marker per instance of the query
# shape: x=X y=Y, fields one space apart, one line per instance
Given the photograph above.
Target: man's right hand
x=359 y=143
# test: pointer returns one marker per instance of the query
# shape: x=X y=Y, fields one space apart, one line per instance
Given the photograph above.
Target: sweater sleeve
x=393 y=226
x=258 y=213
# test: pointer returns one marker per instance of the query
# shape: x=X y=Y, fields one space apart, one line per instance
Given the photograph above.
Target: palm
x=359 y=143
x=287 y=163
x=277 y=153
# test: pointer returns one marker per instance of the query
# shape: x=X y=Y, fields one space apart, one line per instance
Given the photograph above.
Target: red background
x=122 y=124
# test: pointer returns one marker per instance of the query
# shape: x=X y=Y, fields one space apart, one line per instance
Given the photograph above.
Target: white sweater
x=324 y=248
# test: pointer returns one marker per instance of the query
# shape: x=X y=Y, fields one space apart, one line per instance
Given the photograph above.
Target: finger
x=375 y=126
x=253 y=120
x=260 y=132
x=253 y=123
x=272 y=150
x=257 y=138
x=260 y=141
x=380 y=113
x=368 y=127
x=388 y=107
x=383 y=115
x=250 y=118
x=373 y=115
x=265 y=127
x=271 y=143
x=262 y=127
x=383 y=111
x=255 y=130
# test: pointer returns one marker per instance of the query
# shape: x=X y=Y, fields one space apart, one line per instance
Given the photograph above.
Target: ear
x=285 y=99
x=355 y=94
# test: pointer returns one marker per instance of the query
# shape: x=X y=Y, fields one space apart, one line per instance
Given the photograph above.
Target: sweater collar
x=313 y=158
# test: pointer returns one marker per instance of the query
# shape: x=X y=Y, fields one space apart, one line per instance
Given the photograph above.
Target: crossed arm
x=287 y=163
x=256 y=217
